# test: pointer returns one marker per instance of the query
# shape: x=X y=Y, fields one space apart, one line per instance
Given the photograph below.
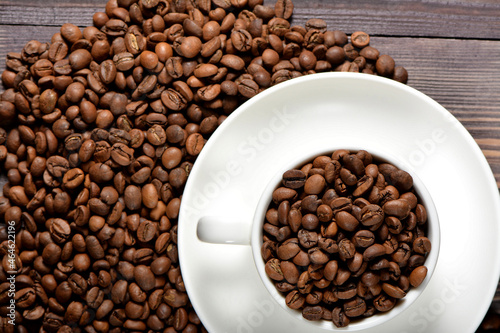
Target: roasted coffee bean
x=421 y=214
x=383 y=303
x=307 y=239
x=339 y=317
x=194 y=144
x=290 y=272
x=314 y=184
x=284 y=9
x=25 y=298
x=363 y=238
x=346 y=221
x=339 y=204
x=417 y=276
x=312 y=312
x=294 y=300
x=294 y=179
x=144 y=277
x=60 y=230
x=385 y=65
x=398 y=208
x=273 y=270
x=422 y=245
x=355 y=308
x=317 y=256
x=393 y=291
x=289 y=249
x=347 y=249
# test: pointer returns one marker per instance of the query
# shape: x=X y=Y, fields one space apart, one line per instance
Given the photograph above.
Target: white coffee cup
x=213 y=229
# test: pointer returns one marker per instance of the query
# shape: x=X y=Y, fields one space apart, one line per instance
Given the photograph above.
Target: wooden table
x=451 y=49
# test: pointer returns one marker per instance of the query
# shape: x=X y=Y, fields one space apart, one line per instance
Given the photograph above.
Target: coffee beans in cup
x=345 y=237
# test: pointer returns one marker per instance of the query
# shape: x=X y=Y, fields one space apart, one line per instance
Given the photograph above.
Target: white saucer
x=327 y=111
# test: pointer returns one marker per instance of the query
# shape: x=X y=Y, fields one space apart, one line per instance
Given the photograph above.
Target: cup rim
x=433 y=233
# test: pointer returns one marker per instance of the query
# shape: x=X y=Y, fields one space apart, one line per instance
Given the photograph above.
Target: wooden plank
x=407 y=17
x=436 y=18
x=40 y=13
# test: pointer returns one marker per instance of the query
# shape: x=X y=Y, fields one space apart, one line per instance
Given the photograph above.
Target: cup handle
x=223 y=230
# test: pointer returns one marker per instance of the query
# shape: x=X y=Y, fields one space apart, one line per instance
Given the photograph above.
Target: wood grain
x=407 y=17
x=448 y=71
x=434 y=18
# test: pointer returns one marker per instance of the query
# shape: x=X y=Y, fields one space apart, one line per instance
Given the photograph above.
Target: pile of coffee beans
x=344 y=237
x=99 y=130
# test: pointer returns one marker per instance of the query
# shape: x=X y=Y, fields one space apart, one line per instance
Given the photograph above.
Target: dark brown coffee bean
x=25 y=298
x=290 y=272
x=383 y=303
x=288 y=249
x=34 y=314
x=283 y=193
x=304 y=284
x=339 y=204
x=73 y=178
x=374 y=251
x=316 y=24
x=77 y=284
x=133 y=197
x=385 y=65
x=94 y=247
x=310 y=221
x=393 y=291
x=421 y=214
x=400 y=74
x=314 y=184
x=360 y=39
x=147 y=229
x=346 y=221
x=307 y=238
x=273 y=270
x=156 y=135
x=144 y=277
x=402 y=254
x=422 y=245
x=175 y=298
x=402 y=180
x=284 y=9
x=81 y=262
x=194 y=144
x=363 y=238
x=417 y=276
x=372 y=215
x=398 y=208
x=330 y=270
x=347 y=249
x=339 y=317
x=355 y=308
x=70 y=32
x=248 y=88
x=18 y=196
x=294 y=300
x=51 y=254
x=60 y=230
x=312 y=312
